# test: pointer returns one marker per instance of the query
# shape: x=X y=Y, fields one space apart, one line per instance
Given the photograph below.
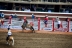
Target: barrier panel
x=38 y=24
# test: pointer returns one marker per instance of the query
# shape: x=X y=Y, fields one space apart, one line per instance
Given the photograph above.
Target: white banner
x=48 y=29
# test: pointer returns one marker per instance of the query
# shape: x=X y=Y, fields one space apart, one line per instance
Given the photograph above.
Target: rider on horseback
x=25 y=22
x=8 y=35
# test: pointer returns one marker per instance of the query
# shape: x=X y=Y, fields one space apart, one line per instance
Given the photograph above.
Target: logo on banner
x=46 y=28
x=61 y=29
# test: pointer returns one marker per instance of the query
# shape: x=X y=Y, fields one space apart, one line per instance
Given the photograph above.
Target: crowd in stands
x=35 y=7
x=49 y=0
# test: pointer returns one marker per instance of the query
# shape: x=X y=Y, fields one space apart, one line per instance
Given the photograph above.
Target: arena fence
x=38 y=24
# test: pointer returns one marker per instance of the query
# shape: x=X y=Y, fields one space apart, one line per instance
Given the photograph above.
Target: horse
x=26 y=25
x=10 y=40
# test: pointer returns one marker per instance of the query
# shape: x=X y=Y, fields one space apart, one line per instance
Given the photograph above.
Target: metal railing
x=65 y=1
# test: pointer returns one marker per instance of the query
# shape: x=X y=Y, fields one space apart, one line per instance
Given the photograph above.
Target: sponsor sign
x=70 y=26
x=46 y=28
x=12 y=27
x=61 y=29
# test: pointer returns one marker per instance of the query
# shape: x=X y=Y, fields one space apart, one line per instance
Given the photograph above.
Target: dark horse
x=26 y=25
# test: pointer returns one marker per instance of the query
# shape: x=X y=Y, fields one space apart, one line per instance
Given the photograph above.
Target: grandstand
x=37 y=5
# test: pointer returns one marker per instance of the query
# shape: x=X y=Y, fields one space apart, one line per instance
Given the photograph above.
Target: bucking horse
x=26 y=25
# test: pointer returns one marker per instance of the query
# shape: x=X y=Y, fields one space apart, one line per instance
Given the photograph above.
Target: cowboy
x=25 y=22
x=46 y=19
x=8 y=34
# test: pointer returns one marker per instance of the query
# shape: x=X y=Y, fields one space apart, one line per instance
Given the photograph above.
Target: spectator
x=2 y=15
x=34 y=8
x=43 y=9
x=67 y=11
x=33 y=17
x=57 y=19
x=23 y=8
x=58 y=22
x=63 y=10
x=49 y=10
x=15 y=15
x=46 y=20
x=12 y=15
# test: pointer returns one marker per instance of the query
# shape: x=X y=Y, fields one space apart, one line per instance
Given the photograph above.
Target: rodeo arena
x=33 y=29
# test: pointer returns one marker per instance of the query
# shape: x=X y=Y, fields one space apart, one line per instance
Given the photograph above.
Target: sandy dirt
x=38 y=40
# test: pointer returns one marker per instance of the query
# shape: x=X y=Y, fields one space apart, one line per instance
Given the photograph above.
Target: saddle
x=9 y=37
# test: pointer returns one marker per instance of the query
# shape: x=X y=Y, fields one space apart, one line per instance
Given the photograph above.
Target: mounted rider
x=8 y=35
x=24 y=23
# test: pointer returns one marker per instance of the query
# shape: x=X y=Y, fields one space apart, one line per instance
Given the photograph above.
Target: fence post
x=53 y=24
x=2 y=21
x=68 y=24
x=39 y=23
x=10 y=19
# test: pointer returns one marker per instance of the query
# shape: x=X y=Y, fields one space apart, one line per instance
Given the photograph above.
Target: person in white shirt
x=59 y=23
x=57 y=19
x=8 y=34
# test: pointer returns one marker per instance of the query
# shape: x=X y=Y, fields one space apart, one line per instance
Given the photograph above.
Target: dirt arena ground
x=37 y=40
